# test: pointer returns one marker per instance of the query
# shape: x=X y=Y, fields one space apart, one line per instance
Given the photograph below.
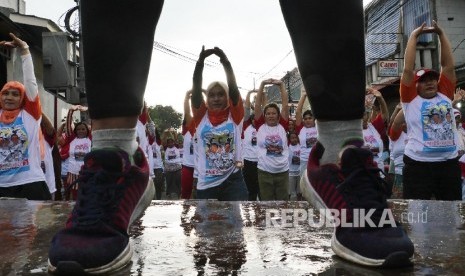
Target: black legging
x=117 y=40
x=328 y=39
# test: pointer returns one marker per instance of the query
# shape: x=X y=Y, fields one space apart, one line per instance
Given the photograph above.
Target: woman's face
x=11 y=99
x=271 y=116
x=217 y=98
x=81 y=131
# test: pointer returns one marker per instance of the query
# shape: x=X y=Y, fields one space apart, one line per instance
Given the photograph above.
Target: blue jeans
x=232 y=189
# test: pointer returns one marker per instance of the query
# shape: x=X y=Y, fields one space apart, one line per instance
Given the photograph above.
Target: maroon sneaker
x=349 y=190
x=112 y=194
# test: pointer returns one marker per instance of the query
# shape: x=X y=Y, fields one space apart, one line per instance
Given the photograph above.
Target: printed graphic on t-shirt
x=371 y=143
x=254 y=140
x=80 y=151
x=274 y=145
x=13 y=148
x=310 y=140
x=219 y=149
x=437 y=122
x=170 y=154
x=295 y=160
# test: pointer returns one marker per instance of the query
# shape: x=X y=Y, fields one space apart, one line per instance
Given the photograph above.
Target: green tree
x=165 y=117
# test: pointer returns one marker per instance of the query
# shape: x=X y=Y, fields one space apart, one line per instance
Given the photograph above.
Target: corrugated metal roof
x=383 y=21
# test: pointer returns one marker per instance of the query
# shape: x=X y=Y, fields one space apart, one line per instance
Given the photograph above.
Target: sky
x=252 y=34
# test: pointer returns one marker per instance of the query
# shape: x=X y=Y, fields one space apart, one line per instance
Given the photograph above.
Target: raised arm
x=397 y=109
x=300 y=106
x=258 y=110
x=398 y=121
x=197 y=78
x=247 y=104
x=447 y=58
x=234 y=94
x=187 y=108
x=382 y=103
x=410 y=55
x=284 y=99
x=69 y=118
x=29 y=80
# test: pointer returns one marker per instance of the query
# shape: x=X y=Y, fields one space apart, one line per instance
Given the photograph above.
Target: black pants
x=32 y=191
x=329 y=45
x=250 y=173
x=422 y=180
x=117 y=54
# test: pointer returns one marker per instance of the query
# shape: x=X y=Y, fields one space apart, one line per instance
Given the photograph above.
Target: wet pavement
x=236 y=238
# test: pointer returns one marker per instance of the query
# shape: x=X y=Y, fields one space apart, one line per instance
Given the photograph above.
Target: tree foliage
x=165 y=117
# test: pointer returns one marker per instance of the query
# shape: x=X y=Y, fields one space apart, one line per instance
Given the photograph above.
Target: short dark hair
x=273 y=105
x=307 y=112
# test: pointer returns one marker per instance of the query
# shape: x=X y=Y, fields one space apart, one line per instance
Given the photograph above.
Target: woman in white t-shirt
x=80 y=143
x=173 y=165
x=306 y=130
x=21 y=175
x=273 y=163
x=218 y=129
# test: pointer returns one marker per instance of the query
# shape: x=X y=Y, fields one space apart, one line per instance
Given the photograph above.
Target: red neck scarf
x=8 y=116
x=218 y=117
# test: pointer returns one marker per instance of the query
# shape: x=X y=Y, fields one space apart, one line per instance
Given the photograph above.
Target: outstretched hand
x=15 y=42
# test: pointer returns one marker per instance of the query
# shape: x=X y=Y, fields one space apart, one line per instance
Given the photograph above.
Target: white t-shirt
x=218 y=147
x=156 y=156
x=432 y=135
x=249 y=144
x=273 y=151
x=373 y=141
x=397 y=152
x=308 y=138
x=20 y=160
x=188 y=150
x=49 y=169
x=294 y=159
x=173 y=159
x=78 y=148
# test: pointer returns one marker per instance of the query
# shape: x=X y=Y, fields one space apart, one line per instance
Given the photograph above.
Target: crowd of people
x=270 y=151
x=228 y=150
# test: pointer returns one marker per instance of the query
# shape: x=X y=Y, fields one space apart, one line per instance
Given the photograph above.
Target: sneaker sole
x=74 y=268
x=309 y=193
x=143 y=203
x=396 y=259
